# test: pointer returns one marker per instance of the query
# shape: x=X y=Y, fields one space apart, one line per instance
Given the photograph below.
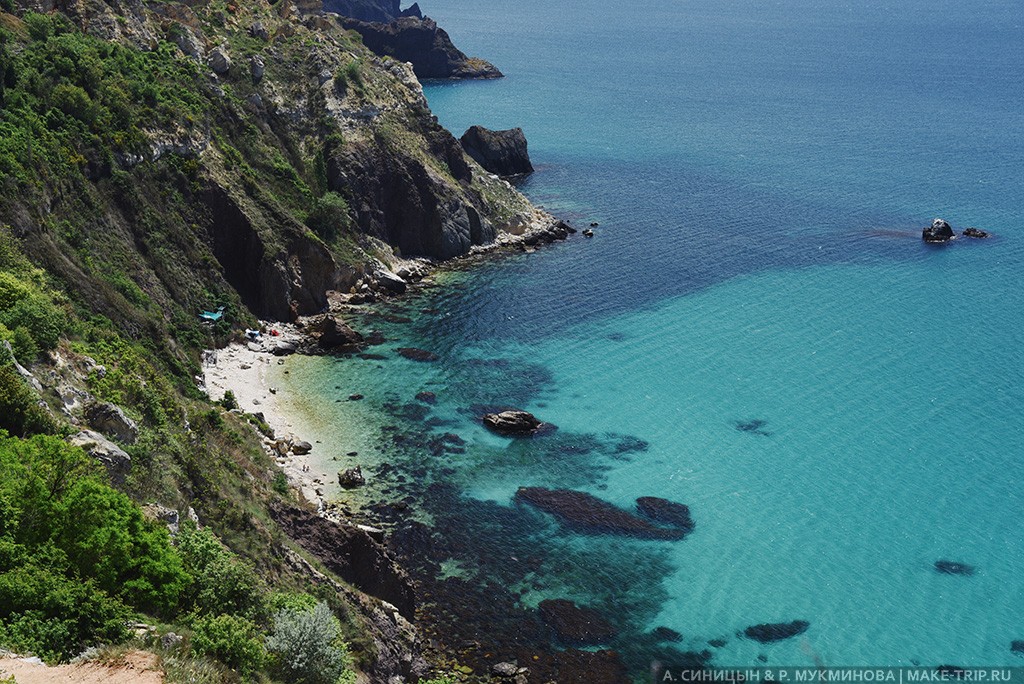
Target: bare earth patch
x=134 y=667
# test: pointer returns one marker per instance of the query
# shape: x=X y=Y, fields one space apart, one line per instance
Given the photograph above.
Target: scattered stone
x=665 y=511
x=220 y=60
x=976 y=233
x=768 y=632
x=355 y=397
x=505 y=669
x=514 y=422
x=591 y=515
x=351 y=478
x=170 y=640
x=501 y=152
x=168 y=516
x=667 y=634
x=111 y=420
x=588 y=233
x=301 y=448
x=258 y=30
x=427 y=398
x=593 y=224
x=939 y=231
x=257 y=68
x=575 y=625
x=113 y=458
x=418 y=354
x=953 y=568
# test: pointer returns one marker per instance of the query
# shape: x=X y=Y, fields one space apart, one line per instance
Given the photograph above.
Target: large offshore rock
x=939 y=231
x=514 y=423
x=500 y=152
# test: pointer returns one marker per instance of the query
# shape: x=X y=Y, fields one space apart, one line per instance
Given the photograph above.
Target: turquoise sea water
x=760 y=173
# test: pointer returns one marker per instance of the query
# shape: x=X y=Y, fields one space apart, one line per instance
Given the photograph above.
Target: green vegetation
x=307 y=648
x=329 y=216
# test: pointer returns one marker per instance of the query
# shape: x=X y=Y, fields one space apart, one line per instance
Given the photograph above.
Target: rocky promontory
x=423 y=43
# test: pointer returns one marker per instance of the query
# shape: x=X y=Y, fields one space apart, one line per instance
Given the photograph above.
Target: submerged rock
x=575 y=625
x=665 y=511
x=778 y=631
x=589 y=514
x=1017 y=646
x=976 y=233
x=754 y=427
x=953 y=568
x=939 y=231
x=417 y=354
x=513 y=422
x=667 y=634
x=427 y=397
x=500 y=152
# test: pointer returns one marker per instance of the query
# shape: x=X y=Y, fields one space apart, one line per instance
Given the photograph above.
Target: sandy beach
x=248 y=371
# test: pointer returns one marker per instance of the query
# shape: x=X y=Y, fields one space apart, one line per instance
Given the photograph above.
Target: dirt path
x=134 y=667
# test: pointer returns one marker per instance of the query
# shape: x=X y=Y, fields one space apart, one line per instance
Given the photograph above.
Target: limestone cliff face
x=282 y=110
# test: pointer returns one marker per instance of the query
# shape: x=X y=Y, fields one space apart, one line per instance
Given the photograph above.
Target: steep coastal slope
x=158 y=160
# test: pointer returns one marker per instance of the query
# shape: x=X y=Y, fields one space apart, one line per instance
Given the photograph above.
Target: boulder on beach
x=768 y=632
x=588 y=514
x=939 y=231
x=665 y=511
x=512 y=422
x=575 y=625
x=947 y=567
x=334 y=332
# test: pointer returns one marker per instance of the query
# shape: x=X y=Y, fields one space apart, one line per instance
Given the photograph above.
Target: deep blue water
x=760 y=173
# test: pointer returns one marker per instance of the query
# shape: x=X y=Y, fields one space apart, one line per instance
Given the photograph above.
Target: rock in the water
x=769 y=632
x=975 y=233
x=1017 y=646
x=665 y=511
x=939 y=231
x=116 y=461
x=427 y=397
x=667 y=634
x=953 y=568
x=352 y=477
x=586 y=513
x=574 y=625
x=301 y=448
x=284 y=348
x=417 y=354
x=111 y=420
x=512 y=423
x=500 y=152
x=220 y=60
x=334 y=332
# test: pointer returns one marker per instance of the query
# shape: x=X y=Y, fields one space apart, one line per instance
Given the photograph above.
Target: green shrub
x=24 y=347
x=74 y=101
x=43 y=320
x=20 y=413
x=307 y=648
x=328 y=216
x=222 y=583
x=229 y=401
x=39 y=26
x=233 y=640
x=45 y=612
x=280 y=483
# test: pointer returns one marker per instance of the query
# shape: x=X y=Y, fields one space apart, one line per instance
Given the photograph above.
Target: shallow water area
x=755 y=330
